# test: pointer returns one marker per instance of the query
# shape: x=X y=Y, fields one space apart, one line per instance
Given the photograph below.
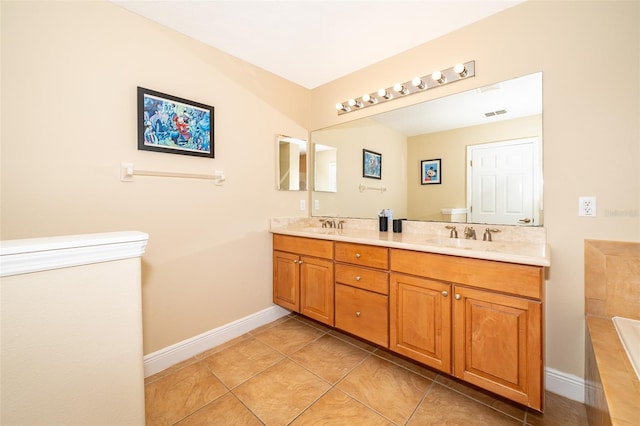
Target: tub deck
x=618 y=381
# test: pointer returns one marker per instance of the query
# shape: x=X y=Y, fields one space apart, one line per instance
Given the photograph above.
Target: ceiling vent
x=494 y=113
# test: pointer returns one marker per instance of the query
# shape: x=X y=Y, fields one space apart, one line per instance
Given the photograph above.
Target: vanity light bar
x=400 y=90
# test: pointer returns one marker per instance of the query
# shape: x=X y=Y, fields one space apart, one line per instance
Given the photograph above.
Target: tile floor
x=294 y=371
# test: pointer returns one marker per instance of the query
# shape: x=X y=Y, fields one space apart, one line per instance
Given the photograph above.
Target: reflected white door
x=501 y=182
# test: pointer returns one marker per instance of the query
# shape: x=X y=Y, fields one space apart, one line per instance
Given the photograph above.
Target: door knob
x=458 y=297
x=295 y=261
x=525 y=220
x=445 y=293
x=358 y=313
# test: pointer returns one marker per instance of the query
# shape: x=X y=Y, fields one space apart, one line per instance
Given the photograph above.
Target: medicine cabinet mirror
x=291 y=164
x=488 y=125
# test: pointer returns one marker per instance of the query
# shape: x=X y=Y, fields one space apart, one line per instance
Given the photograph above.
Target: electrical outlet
x=303 y=204
x=587 y=206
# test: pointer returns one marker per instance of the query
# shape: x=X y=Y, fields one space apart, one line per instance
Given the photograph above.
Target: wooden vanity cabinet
x=362 y=291
x=495 y=320
x=303 y=276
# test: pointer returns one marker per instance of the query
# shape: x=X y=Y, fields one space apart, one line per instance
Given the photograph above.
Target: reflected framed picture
x=170 y=124
x=371 y=164
x=431 y=172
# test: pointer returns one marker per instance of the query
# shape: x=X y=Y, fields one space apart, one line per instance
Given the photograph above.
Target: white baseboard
x=171 y=355
x=565 y=384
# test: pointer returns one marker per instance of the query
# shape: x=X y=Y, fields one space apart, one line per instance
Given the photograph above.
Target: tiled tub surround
x=514 y=244
x=612 y=288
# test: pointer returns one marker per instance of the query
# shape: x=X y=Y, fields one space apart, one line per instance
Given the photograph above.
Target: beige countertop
x=528 y=253
x=619 y=381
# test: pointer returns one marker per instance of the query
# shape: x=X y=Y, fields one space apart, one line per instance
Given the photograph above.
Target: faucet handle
x=340 y=223
x=487 y=234
x=454 y=231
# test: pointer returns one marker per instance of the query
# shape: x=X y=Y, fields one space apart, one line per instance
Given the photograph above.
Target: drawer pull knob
x=358 y=278
x=357 y=255
x=445 y=293
x=458 y=297
x=358 y=314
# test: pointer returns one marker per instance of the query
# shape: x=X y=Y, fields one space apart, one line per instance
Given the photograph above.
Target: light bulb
x=417 y=82
x=354 y=103
x=369 y=99
x=400 y=89
x=342 y=107
x=384 y=94
x=461 y=70
x=437 y=76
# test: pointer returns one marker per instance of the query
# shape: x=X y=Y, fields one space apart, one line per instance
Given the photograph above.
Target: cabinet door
x=286 y=277
x=420 y=320
x=316 y=289
x=498 y=344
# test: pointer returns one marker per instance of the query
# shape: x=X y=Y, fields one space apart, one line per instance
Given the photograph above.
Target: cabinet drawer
x=306 y=246
x=521 y=280
x=363 y=255
x=363 y=313
x=366 y=279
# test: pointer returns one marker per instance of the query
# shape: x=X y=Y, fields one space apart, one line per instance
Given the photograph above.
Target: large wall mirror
x=291 y=164
x=486 y=144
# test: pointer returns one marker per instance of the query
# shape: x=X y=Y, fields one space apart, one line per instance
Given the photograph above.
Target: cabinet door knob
x=358 y=313
x=445 y=293
x=458 y=297
x=295 y=261
x=357 y=255
x=300 y=262
x=358 y=278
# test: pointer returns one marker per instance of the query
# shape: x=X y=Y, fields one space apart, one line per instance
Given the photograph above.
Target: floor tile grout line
x=406 y=422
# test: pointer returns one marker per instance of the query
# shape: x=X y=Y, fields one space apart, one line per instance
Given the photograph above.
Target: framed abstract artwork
x=170 y=124
x=431 y=172
x=371 y=164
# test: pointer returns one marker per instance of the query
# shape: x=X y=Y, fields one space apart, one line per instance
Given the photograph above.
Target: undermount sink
x=461 y=244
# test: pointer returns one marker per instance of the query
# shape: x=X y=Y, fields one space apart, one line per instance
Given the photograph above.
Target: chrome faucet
x=454 y=231
x=469 y=233
x=487 y=234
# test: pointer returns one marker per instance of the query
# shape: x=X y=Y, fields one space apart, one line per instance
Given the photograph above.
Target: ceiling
x=314 y=42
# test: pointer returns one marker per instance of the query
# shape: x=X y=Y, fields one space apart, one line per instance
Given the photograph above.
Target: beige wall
x=589 y=53
x=69 y=77
x=425 y=201
x=69 y=72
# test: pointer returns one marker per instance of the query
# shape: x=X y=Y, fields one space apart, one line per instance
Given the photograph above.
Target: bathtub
x=629 y=332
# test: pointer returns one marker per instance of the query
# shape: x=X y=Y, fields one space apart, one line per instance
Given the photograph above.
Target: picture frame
x=371 y=164
x=174 y=125
x=431 y=172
